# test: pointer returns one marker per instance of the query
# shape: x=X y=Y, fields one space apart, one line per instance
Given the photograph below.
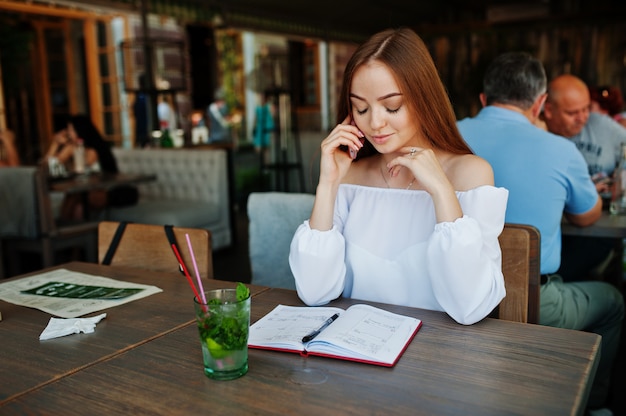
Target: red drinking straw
x=182 y=264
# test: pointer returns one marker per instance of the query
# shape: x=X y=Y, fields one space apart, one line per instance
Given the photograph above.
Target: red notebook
x=360 y=333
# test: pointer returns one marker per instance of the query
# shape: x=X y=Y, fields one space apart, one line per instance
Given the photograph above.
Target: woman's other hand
x=61 y=138
x=424 y=166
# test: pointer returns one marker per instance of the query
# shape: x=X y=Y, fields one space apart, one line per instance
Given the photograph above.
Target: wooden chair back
x=145 y=246
x=520 y=246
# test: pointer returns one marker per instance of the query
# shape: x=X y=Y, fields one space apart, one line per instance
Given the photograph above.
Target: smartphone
x=351 y=151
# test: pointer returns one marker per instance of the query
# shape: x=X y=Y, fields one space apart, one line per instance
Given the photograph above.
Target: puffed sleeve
x=317 y=263
x=464 y=257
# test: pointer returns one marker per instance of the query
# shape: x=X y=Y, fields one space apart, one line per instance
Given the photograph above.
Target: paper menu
x=23 y=292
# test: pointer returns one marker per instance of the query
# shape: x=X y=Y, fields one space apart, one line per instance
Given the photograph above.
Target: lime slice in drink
x=216 y=350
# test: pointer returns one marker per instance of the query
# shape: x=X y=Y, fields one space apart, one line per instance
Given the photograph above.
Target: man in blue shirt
x=547 y=177
x=598 y=137
x=219 y=118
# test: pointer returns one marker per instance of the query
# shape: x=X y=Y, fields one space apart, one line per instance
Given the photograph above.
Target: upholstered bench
x=191 y=190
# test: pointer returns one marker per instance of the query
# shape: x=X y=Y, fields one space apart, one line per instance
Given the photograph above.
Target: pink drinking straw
x=195 y=268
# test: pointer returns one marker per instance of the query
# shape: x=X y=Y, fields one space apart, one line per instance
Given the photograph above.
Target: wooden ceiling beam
x=53 y=10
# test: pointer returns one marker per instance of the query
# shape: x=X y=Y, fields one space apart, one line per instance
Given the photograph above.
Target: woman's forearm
x=323 y=208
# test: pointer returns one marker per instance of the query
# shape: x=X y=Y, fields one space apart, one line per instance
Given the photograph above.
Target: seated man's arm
x=586 y=218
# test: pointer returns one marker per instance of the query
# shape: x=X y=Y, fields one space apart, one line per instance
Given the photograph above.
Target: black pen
x=315 y=333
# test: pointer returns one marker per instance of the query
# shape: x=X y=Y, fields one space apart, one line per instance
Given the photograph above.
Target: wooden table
x=27 y=364
x=103 y=181
x=612 y=226
x=83 y=184
x=147 y=360
x=608 y=226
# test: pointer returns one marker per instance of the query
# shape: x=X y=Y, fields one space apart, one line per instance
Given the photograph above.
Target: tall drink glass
x=223 y=324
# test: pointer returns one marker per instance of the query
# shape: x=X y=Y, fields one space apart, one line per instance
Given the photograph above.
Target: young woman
x=414 y=219
x=98 y=158
x=98 y=155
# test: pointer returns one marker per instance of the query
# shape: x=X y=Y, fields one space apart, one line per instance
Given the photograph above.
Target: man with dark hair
x=547 y=177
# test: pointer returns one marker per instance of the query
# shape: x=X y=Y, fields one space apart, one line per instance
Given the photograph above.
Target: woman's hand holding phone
x=338 y=151
x=352 y=152
x=335 y=151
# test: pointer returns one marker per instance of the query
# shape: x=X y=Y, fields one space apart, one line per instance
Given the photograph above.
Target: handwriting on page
x=371 y=334
x=290 y=326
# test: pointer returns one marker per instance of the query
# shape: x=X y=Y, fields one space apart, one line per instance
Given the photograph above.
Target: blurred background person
x=168 y=123
x=98 y=155
x=140 y=111
x=167 y=114
x=567 y=113
x=8 y=152
x=199 y=130
x=98 y=158
x=141 y=114
x=218 y=114
x=263 y=127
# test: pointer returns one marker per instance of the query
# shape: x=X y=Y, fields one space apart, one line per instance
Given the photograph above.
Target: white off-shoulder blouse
x=385 y=246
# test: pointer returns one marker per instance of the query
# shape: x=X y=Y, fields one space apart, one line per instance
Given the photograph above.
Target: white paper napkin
x=59 y=327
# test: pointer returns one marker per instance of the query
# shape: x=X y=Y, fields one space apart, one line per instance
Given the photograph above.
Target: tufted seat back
x=191 y=189
x=182 y=174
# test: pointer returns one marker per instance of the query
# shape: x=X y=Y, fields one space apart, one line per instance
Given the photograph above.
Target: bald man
x=597 y=136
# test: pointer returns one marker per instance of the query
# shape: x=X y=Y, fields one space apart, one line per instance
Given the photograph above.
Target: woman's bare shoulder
x=468 y=172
